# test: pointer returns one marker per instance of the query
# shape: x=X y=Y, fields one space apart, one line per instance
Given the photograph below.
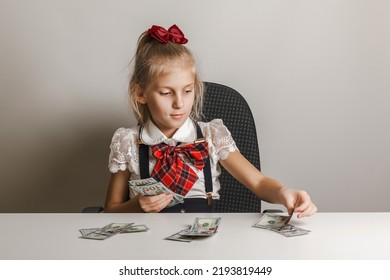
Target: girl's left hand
x=297 y=201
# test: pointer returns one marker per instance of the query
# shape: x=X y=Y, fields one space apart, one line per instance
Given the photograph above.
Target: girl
x=166 y=95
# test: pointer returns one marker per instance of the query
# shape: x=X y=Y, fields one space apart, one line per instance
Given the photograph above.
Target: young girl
x=172 y=146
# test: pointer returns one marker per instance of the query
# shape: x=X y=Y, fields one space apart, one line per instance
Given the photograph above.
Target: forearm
x=117 y=199
x=268 y=189
x=263 y=187
x=298 y=201
x=129 y=206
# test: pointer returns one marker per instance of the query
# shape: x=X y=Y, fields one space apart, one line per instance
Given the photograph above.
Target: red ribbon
x=163 y=36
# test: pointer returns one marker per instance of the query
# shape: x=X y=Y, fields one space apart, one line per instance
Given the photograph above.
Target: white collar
x=152 y=135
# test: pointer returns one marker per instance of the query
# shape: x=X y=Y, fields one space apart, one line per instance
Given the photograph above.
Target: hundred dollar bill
x=203 y=227
x=150 y=186
x=279 y=224
x=291 y=231
x=135 y=228
x=142 y=182
x=272 y=221
x=106 y=232
x=85 y=231
x=130 y=228
x=179 y=237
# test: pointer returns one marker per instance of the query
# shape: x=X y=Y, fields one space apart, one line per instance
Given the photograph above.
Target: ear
x=139 y=94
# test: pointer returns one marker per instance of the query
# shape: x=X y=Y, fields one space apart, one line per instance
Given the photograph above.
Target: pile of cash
x=202 y=227
x=150 y=186
x=279 y=224
x=111 y=230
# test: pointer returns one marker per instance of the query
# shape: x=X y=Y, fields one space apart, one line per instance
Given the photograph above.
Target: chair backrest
x=222 y=102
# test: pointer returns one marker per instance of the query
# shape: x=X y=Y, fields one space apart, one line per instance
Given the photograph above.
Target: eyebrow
x=186 y=86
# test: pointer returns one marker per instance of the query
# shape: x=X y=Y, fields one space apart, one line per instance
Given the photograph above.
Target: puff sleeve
x=123 y=150
x=220 y=140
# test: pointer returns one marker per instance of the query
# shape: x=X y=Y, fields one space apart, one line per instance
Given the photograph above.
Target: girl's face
x=170 y=100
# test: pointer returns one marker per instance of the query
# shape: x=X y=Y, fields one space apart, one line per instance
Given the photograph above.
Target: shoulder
x=214 y=128
x=123 y=149
x=123 y=132
x=124 y=135
x=213 y=124
x=221 y=142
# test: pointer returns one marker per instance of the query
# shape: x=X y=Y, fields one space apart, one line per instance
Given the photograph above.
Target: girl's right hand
x=154 y=203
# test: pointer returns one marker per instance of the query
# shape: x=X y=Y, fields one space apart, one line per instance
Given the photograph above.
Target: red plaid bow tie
x=172 y=171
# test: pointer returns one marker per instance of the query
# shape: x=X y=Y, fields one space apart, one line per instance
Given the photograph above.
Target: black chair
x=222 y=102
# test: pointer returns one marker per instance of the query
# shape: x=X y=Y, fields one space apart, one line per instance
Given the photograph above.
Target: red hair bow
x=163 y=36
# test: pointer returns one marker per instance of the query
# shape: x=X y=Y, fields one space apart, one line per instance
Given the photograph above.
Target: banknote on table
x=135 y=228
x=270 y=221
x=202 y=227
x=85 y=231
x=150 y=186
x=129 y=229
x=106 y=231
x=291 y=231
x=280 y=224
x=178 y=237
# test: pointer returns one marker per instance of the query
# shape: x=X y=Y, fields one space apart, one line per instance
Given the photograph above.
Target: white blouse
x=124 y=150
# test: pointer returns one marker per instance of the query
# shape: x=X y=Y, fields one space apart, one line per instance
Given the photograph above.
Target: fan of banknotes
x=202 y=227
x=111 y=230
x=279 y=224
x=150 y=186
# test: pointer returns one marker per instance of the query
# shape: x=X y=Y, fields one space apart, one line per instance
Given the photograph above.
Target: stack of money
x=202 y=227
x=150 y=186
x=135 y=228
x=178 y=237
x=111 y=230
x=279 y=224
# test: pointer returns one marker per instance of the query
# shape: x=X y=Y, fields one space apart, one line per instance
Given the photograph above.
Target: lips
x=176 y=116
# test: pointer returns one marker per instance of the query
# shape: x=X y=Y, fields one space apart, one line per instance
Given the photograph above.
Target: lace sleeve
x=122 y=150
x=222 y=142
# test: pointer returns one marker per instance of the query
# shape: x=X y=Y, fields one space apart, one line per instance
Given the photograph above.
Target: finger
x=161 y=202
x=290 y=210
x=155 y=198
x=303 y=201
x=154 y=203
x=290 y=205
x=166 y=201
x=302 y=206
x=308 y=211
x=313 y=210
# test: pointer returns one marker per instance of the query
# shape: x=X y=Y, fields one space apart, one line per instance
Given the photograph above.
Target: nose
x=178 y=101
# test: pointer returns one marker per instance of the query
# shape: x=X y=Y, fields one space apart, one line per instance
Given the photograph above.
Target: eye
x=165 y=93
x=188 y=91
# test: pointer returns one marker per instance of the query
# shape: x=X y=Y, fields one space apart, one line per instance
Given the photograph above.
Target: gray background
x=315 y=73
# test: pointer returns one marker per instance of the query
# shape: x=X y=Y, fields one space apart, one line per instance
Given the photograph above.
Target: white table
x=337 y=236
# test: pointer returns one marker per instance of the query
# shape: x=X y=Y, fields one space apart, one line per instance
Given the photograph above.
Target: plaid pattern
x=172 y=171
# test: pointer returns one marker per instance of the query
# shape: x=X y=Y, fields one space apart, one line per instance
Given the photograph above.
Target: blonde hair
x=150 y=60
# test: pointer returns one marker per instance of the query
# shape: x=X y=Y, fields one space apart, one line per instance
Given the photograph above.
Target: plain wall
x=315 y=73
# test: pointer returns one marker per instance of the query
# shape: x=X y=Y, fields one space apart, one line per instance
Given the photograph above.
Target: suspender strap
x=208 y=180
x=144 y=160
x=144 y=164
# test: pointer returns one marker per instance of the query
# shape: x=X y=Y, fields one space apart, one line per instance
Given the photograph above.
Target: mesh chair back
x=222 y=102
